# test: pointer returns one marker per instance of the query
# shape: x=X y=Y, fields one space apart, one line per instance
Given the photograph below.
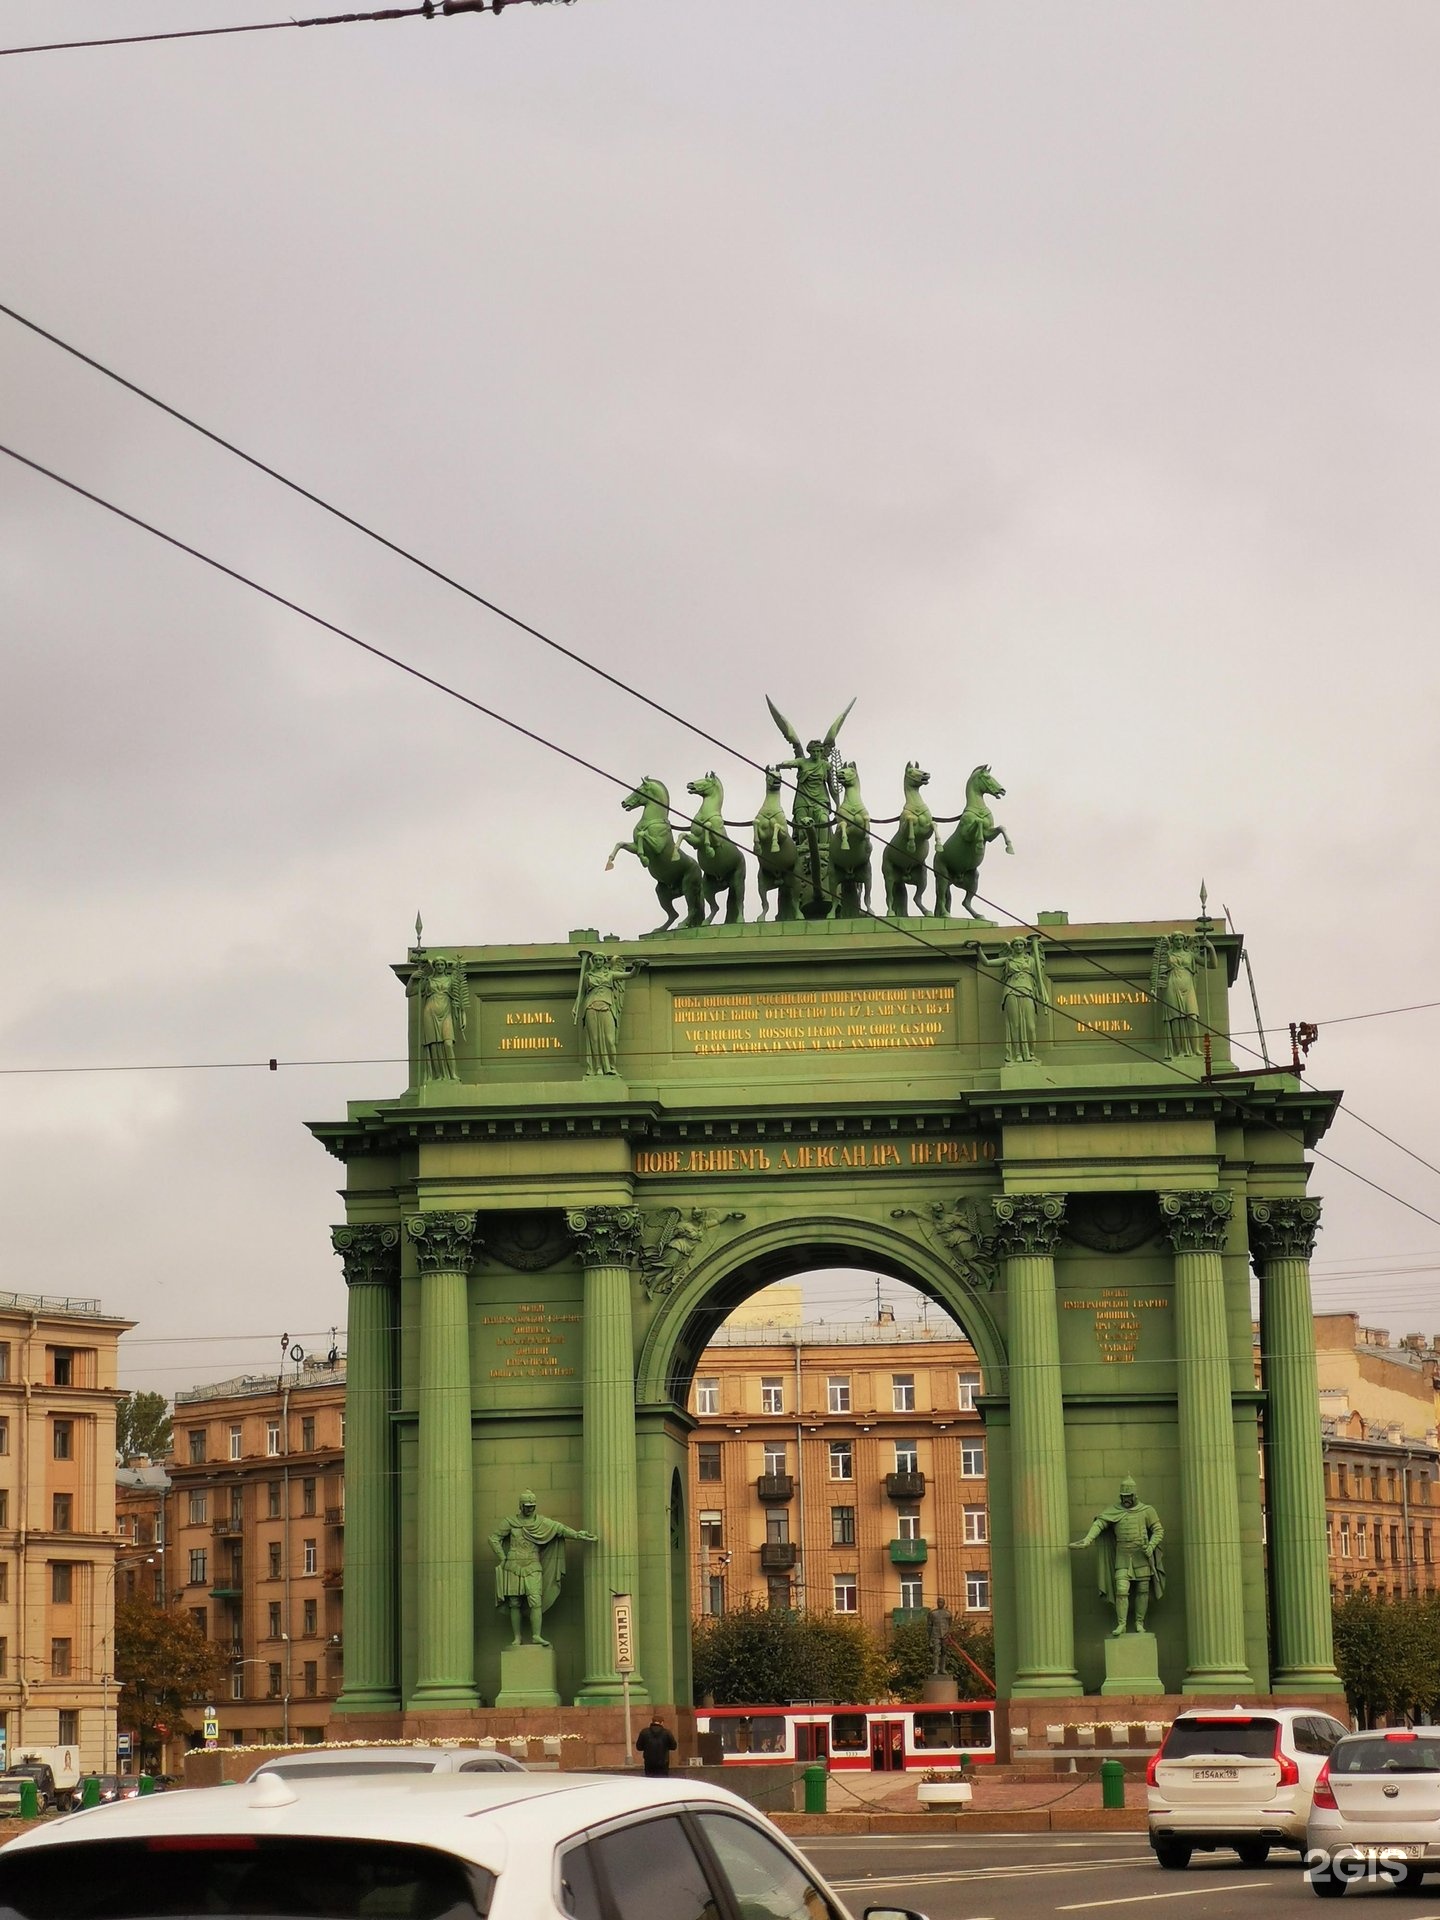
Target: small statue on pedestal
x=1130 y=1535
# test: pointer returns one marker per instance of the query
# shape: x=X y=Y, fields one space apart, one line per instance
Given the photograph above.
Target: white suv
x=330 y=1763
x=452 y=1846
x=1236 y=1777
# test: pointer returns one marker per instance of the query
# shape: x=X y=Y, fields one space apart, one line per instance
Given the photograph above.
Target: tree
x=911 y=1662
x=142 y=1425
x=1387 y=1652
x=769 y=1656
x=164 y=1664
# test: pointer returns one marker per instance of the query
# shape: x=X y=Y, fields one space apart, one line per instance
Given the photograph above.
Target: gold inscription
x=1117 y=1321
x=855 y=1156
x=834 y=1020
x=1092 y=1001
x=532 y=1037
x=530 y=1345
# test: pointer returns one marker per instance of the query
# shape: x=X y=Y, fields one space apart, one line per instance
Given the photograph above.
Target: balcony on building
x=908 y=1553
x=334 y=1516
x=777 y=1556
x=228 y=1585
x=774 y=1489
x=905 y=1486
x=229 y=1526
x=333 y=1577
x=908 y=1616
x=237 y=1649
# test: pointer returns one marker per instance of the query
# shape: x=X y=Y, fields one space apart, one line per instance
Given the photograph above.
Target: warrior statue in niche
x=1130 y=1536
x=531 y=1551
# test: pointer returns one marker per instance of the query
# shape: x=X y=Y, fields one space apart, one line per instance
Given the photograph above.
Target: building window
x=274 y=1633
x=274 y=1559
x=846 y=1590
x=1360 y=1540
x=977 y=1526
x=272 y=1438
x=1344 y=1539
x=307 y=1496
x=712 y=1531
x=1427 y=1547
x=67 y=1726
x=902 y=1392
x=714 y=1595
x=777 y=1526
x=200 y=1619
x=1379 y=1546
x=308 y=1562
x=967 y=1385
x=312 y=1678
x=272 y=1499
x=62 y=1582
x=4 y=1359
x=59 y=1659
x=837 y=1393
x=977 y=1592
x=4 y=1506
x=707 y=1395
x=1341 y=1478
x=1330 y=1539
x=307 y=1434
x=972 y=1459
x=907 y=1523
x=272 y=1679
x=62 y=1367
x=237 y=1684
x=4 y=1658
x=707 y=1455
x=237 y=1439
x=62 y=1512
x=310 y=1619
x=776 y=1455
x=772 y=1395
x=842 y=1526
x=907 y=1456
x=5 y=1435
x=1394 y=1545
x=912 y=1591
x=197 y=1566
x=777 y=1592
x=842 y=1460
x=199 y=1509
x=62 y=1440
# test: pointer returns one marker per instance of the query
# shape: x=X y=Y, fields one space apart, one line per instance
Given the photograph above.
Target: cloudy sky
x=1060 y=379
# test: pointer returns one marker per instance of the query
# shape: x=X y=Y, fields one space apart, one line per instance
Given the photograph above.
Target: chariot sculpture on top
x=818 y=863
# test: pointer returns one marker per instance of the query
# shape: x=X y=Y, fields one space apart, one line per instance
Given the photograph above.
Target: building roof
x=52 y=1306
x=244 y=1386
x=153 y=1477
x=843 y=1333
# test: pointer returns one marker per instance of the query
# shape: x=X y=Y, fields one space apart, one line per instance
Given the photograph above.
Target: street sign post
x=124 y=1747
x=212 y=1727
x=624 y=1622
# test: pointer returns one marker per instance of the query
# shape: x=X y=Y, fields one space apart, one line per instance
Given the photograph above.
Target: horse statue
x=675 y=874
x=776 y=855
x=907 y=857
x=957 y=864
x=848 y=865
x=721 y=862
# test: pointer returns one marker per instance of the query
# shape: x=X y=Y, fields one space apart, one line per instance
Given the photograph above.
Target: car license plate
x=1217 y=1773
x=1402 y=1850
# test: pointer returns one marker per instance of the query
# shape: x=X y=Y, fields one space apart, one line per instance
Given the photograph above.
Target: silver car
x=333 y=1763
x=1237 y=1777
x=1375 y=1814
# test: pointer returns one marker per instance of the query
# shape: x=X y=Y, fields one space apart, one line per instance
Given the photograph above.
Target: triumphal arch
x=605 y=1144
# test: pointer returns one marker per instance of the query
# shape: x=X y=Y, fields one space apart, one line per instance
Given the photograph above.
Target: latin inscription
x=831 y=1020
x=1117 y=1321
x=852 y=1156
x=530 y=1343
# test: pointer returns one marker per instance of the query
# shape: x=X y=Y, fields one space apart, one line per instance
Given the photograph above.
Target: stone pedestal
x=940 y=1690
x=527 y=1678
x=1132 y=1665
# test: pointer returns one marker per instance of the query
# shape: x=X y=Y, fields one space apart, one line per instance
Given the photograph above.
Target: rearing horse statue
x=722 y=864
x=957 y=864
x=906 y=858
x=777 y=858
x=675 y=874
x=848 y=865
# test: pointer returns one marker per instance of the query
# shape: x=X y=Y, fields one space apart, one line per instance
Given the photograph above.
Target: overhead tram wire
x=269 y=593
x=426 y=9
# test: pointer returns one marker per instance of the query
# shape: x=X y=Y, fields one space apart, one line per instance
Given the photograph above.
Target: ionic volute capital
x=370 y=1251
x=1027 y=1225
x=1283 y=1229
x=1197 y=1222
x=605 y=1236
x=443 y=1242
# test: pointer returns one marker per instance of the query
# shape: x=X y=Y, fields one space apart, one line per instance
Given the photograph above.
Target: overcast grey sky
x=1059 y=378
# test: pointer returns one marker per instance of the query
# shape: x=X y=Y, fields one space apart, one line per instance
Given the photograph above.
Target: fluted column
x=445 y=1251
x=371 y=1254
x=608 y=1239
x=1027 y=1230
x=1196 y=1225
x=1282 y=1238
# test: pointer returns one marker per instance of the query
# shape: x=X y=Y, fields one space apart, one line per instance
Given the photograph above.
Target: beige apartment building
x=840 y=1468
x=252 y=1539
x=57 y=1525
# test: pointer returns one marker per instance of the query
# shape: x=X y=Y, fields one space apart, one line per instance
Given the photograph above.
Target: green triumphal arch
x=606 y=1144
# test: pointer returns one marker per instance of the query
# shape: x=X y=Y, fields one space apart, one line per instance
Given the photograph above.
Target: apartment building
x=253 y=1548
x=840 y=1468
x=57 y=1525
x=142 y=1521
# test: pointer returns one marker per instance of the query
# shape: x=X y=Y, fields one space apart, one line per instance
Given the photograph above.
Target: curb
x=993 y=1820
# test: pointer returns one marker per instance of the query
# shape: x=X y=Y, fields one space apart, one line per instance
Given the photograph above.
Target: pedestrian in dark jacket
x=655 y=1744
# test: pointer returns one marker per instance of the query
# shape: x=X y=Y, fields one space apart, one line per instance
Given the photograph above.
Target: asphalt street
x=1109 y=1876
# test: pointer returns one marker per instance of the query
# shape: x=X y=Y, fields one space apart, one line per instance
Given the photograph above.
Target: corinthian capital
x=370 y=1251
x=1027 y=1224
x=1197 y=1222
x=443 y=1242
x=606 y=1236
x=1283 y=1229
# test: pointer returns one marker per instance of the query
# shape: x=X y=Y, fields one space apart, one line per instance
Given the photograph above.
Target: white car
x=499 y=1846
x=1375 y=1814
x=1236 y=1777
x=325 y=1763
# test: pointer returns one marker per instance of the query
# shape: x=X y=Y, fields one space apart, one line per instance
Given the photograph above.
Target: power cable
x=427 y=9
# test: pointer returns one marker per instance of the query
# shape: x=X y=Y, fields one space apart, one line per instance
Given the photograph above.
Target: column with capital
x=1196 y=1225
x=1282 y=1238
x=609 y=1240
x=371 y=1256
x=445 y=1249
x=1027 y=1231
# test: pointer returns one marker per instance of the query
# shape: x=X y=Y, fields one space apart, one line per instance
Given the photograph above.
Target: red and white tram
x=872 y=1739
